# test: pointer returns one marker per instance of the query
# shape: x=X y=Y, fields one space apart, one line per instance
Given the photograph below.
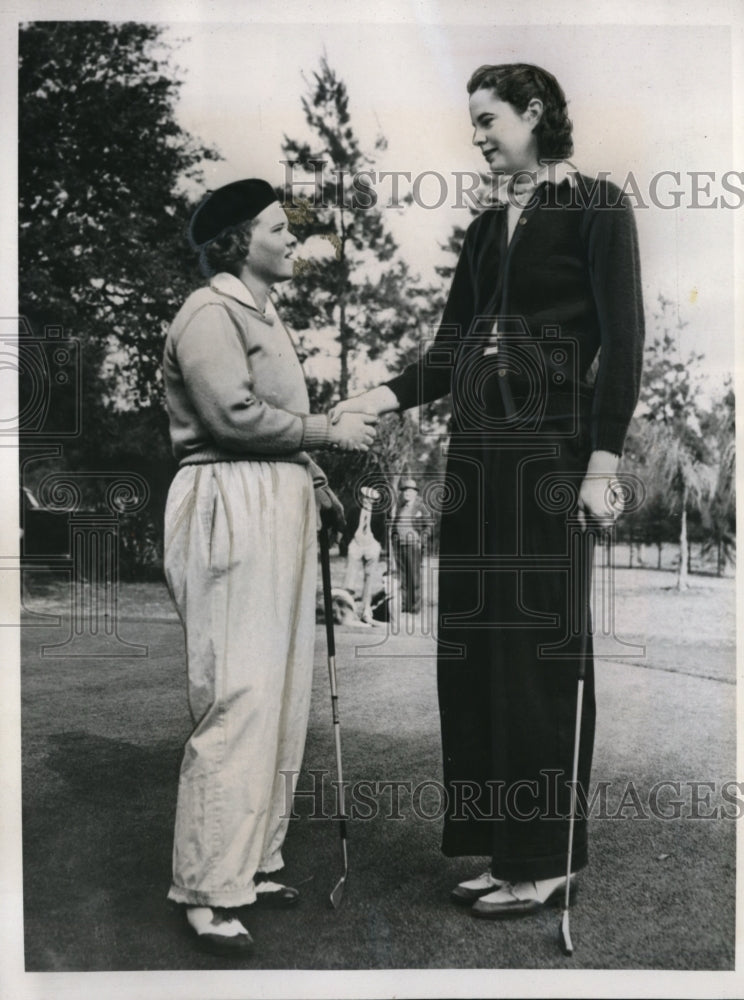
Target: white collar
x=550 y=173
x=228 y=284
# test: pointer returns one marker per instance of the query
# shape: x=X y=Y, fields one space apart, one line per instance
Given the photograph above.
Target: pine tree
x=361 y=302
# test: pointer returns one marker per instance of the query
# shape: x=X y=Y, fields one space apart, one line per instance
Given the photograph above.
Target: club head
x=566 y=942
x=338 y=892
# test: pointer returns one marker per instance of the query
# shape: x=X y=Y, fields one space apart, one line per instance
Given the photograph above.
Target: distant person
x=548 y=283
x=365 y=536
x=411 y=536
x=240 y=560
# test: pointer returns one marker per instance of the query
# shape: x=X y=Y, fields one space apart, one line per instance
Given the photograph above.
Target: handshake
x=350 y=431
x=352 y=422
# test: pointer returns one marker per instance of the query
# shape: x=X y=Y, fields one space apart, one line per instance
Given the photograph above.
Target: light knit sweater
x=234 y=386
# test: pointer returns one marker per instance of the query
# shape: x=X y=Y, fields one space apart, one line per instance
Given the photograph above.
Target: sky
x=643 y=98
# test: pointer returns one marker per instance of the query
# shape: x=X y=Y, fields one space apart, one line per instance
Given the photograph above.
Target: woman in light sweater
x=240 y=560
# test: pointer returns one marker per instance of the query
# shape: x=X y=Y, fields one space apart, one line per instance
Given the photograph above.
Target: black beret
x=229 y=206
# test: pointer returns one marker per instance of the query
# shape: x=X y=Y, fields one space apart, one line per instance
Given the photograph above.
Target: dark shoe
x=273 y=895
x=221 y=944
x=218 y=944
x=466 y=893
x=514 y=900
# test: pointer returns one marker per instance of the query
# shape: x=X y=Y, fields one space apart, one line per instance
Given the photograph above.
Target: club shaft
x=585 y=552
x=325 y=572
x=325 y=569
x=574 y=782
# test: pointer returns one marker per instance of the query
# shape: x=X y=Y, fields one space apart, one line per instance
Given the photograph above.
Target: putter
x=586 y=555
x=325 y=567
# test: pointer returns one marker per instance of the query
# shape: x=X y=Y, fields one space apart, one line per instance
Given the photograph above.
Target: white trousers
x=241 y=563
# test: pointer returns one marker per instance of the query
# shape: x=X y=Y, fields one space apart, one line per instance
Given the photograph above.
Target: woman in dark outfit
x=548 y=278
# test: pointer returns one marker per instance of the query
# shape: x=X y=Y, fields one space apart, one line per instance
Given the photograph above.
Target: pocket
x=179 y=511
x=220 y=529
x=179 y=506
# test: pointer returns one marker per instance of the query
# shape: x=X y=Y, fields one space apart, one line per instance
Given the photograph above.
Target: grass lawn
x=102 y=738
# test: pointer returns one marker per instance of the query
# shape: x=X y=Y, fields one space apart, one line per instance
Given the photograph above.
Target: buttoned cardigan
x=571 y=270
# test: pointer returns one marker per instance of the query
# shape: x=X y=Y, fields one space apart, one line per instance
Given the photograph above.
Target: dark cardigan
x=570 y=270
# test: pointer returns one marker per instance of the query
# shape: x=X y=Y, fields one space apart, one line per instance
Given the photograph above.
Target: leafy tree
x=677 y=456
x=452 y=246
x=719 y=513
x=657 y=526
x=652 y=523
x=102 y=244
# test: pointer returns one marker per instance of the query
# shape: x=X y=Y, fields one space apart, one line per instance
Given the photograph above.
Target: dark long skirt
x=508 y=652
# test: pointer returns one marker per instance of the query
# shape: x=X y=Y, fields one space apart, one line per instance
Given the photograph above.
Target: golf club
x=325 y=568
x=585 y=538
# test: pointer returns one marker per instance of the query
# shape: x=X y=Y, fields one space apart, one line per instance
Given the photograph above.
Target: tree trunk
x=719 y=558
x=630 y=550
x=658 y=554
x=343 y=378
x=343 y=333
x=682 y=577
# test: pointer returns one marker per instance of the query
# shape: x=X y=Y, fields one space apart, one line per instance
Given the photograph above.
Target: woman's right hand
x=352 y=431
x=374 y=402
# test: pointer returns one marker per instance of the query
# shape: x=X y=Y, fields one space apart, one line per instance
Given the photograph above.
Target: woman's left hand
x=599 y=499
x=330 y=508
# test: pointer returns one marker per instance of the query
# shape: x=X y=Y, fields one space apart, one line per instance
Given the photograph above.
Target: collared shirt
x=229 y=284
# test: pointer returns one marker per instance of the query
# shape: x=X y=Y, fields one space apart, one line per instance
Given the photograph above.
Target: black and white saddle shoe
x=520 y=899
x=274 y=895
x=466 y=893
x=218 y=930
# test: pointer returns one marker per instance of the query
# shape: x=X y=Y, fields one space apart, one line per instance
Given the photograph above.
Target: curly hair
x=226 y=252
x=519 y=83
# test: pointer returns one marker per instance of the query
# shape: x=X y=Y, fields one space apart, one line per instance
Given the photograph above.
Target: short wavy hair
x=519 y=83
x=227 y=252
